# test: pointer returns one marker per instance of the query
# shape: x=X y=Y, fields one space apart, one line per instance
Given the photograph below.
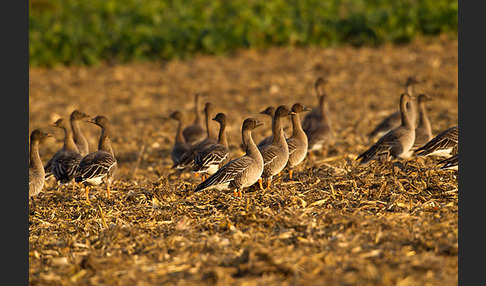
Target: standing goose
x=320 y=133
x=444 y=144
x=396 y=142
x=423 y=132
x=187 y=159
x=65 y=161
x=276 y=154
x=241 y=172
x=99 y=166
x=210 y=159
x=79 y=139
x=298 y=140
x=195 y=133
x=36 y=168
x=270 y=111
x=180 y=145
x=393 y=120
x=451 y=163
x=314 y=116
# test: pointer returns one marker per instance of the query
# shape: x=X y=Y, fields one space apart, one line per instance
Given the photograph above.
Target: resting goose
x=36 y=168
x=99 y=166
x=276 y=154
x=396 y=142
x=241 y=172
x=210 y=159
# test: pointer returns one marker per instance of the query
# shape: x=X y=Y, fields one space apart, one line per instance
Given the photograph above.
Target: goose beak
x=259 y=123
x=92 y=120
x=306 y=108
x=292 y=113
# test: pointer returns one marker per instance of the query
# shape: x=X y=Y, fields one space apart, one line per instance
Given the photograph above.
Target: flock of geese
x=205 y=152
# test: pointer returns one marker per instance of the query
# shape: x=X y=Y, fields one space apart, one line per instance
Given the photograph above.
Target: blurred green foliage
x=89 y=31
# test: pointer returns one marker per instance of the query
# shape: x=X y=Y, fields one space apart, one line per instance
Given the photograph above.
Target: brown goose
x=320 y=133
x=180 y=146
x=276 y=154
x=65 y=161
x=396 y=142
x=36 y=168
x=99 y=166
x=270 y=111
x=211 y=158
x=423 y=132
x=195 y=132
x=314 y=116
x=187 y=159
x=444 y=144
x=298 y=140
x=394 y=120
x=241 y=172
x=451 y=163
x=79 y=139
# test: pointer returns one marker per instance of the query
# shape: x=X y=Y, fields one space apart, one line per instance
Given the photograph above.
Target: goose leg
x=87 y=195
x=108 y=191
x=269 y=182
x=260 y=183
x=290 y=173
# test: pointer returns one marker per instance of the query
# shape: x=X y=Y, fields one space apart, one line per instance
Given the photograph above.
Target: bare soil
x=334 y=223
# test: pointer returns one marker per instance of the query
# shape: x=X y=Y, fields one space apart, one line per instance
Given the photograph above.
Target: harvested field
x=335 y=223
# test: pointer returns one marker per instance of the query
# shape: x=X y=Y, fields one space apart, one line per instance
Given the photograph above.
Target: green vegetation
x=90 y=31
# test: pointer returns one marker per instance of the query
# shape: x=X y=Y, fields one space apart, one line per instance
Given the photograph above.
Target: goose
x=451 y=163
x=314 y=116
x=180 y=146
x=78 y=136
x=99 y=166
x=195 y=132
x=36 y=168
x=270 y=111
x=297 y=142
x=65 y=161
x=397 y=142
x=187 y=160
x=241 y=172
x=276 y=154
x=423 y=132
x=320 y=133
x=210 y=159
x=394 y=120
x=443 y=144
